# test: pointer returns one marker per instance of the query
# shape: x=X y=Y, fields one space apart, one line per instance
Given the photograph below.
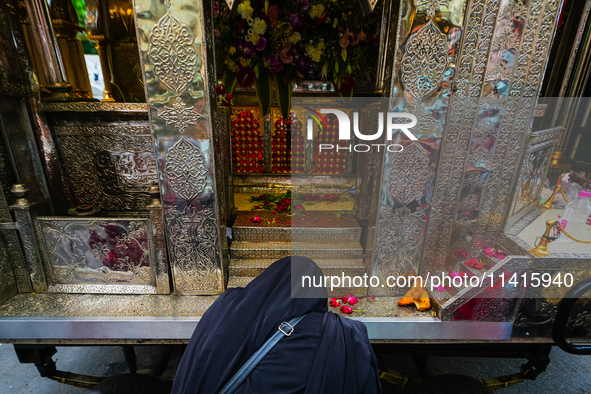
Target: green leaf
x=336 y=66
x=263 y=89
x=349 y=68
x=344 y=54
x=229 y=80
x=283 y=92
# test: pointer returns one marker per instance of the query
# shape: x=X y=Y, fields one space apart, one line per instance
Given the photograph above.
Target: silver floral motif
x=432 y=6
x=486 y=129
x=473 y=181
x=173 y=53
x=185 y=169
x=469 y=203
x=179 y=115
x=480 y=157
x=91 y=255
x=193 y=239
x=514 y=9
x=400 y=232
x=424 y=61
x=409 y=184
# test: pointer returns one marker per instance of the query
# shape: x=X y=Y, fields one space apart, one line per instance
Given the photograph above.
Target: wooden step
x=254 y=267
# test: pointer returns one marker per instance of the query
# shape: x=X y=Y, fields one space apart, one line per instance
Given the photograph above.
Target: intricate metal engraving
x=409 y=185
x=173 y=53
x=97 y=255
x=424 y=61
x=95 y=107
x=486 y=129
x=432 y=6
x=173 y=50
x=193 y=239
x=31 y=251
x=400 y=232
x=179 y=115
x=477 y=38
x=185 y=169
x=111 y=167
x=159 y=250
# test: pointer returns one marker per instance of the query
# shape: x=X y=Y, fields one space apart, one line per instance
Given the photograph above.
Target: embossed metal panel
x=97 y=255
x=175 y=45
x=109 y=166
x=452 y=189
x=426 y=57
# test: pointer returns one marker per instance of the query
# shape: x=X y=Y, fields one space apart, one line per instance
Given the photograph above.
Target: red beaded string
x=281 y=145
x=298 y=145
x=329 y=161
x=247 y=144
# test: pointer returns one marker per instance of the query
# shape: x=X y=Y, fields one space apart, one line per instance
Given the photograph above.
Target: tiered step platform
x=330 y=238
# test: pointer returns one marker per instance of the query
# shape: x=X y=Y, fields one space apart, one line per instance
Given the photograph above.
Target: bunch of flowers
x=492 y=252
x=279 y=43
x=270 y=202
x=224 y=98
x=346 y=304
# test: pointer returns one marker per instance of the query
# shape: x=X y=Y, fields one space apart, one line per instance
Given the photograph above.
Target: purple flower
x=245 y=49
x=296 y=21
x=261 y=43
x=275 y=64
x=216 y=8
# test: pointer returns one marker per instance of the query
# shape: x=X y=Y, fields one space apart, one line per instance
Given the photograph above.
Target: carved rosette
x=185 y=169
x=408 y=174
x=173 y=53
x=424 y=61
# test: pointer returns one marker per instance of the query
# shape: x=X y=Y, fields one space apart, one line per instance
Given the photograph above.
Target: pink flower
x=462 y=253
x=454 y=274
x=334 y=303
x=440 y=288
x=349 y=299
x=256 y=219
x=285 y=58
x=344 y=41
x=307 y=214
x=347 y=309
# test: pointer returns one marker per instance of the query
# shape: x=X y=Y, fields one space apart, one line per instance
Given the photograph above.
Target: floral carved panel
x=97 y=255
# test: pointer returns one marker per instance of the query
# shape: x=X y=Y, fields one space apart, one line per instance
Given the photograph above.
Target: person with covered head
x=324 y=353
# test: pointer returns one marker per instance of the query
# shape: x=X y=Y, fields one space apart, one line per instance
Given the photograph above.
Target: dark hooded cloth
x=325 y=354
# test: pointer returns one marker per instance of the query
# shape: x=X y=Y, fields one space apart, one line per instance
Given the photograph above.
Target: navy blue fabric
x=325 y=354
